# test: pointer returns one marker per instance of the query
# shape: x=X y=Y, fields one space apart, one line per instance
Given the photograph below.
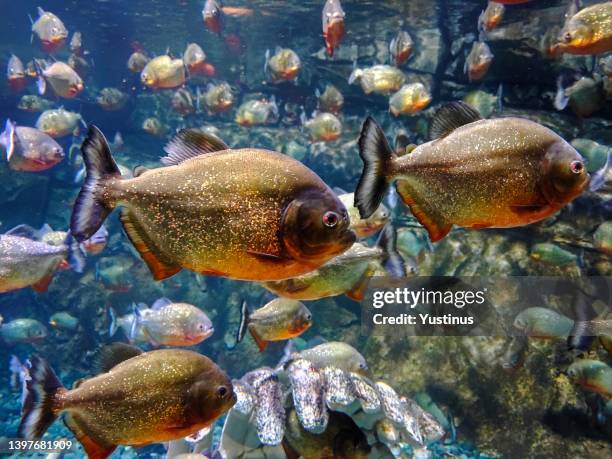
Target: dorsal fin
x=161 y=303
x=189 y=143
x=139 y=170
x=113 y=354
x=450 y=117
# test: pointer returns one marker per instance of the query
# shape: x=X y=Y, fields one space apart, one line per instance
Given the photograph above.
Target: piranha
x=589 y=31
x=28 y=149
x=64 y=321
x=478 y=61
x=22 y=331
x=593 y=375
x=334 y=354
x=491 y=16
x=112 y=99
x=244 y=214
x=410 y=99
x=33 y=103
x=257 y=112
x=169 y=394
x=364 y=227
x=379 y=79
x=348 y=273
x=28 y=263
x=324 y=127
x=76 y=44
x=284 y=65
x=585 y=96
x=279 y=320
x=400 y=48
x=137 y=62
x=485 y=103
x=331 y=100
x=333 y=25
x=154 y=127
x=213 y=16
x=543 y=323
x=15 y=74
x=59 y=122
x=475 y=173
x=163 y=72
x=194 y=58
x=218 y=98
x=62 y=79
x=602 y=238
x=170 y=324
x=552 y=254
x=50 y=30
x=182 y=102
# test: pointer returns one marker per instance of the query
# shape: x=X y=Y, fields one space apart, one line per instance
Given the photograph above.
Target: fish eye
x=308 y=316
x=576 y=167
x=222 y=391
x=331 y=219
x=363 y=366
x=567 y=37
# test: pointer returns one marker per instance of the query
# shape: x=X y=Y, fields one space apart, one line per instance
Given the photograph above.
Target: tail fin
x=377 y=157
x=113 y=321
x=244 y=322
x=76 y=257
x=392 y=260
x=89 y=210
x=38 y=410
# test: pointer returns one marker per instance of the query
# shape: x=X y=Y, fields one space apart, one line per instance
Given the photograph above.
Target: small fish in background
x=363 y=227
x=348 y=273
x=28 y=149
x=410 y=99
x=484 y=102
x=34 y=104
x=15 y=74
x=194 y=58
x=137 y=62
x=63 y=320
x=80 y=65
x=212 y=14
x=50 y=30
x=332 y=18
x=257 y=112
x=552 y=254
x=515 y=354
x=478 y=61
x=61 y=78
x=173 y=392
x=19 y=331
x=279 y=320
x=154 y=127
x=491 y=16
x=592 y=375
x=171 y=324
x=113 y=272
x=112 y=99
x=560 y=179
x=182 y=102
x=59 y=123
x=400 y=48
x=596 y=154
x=284 y=65
x=543 y=323
x=379 y=79
x=331 y=100
x=163 y=72
x=585 y=96
x=602 y=238
x=324 y=127
x=588 y=31
x=28 y=263
x=218 y=98
x=76 y=44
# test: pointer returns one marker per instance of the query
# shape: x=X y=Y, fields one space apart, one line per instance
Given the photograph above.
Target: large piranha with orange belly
x=494 y=173
x=245 y=214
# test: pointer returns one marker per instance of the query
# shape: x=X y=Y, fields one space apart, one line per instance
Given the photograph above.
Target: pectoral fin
x=94 y=449
x=433 y=223
x=358 y=291
x=160 y=267
x=268 y=257
x=262 y=344
x=43 y=284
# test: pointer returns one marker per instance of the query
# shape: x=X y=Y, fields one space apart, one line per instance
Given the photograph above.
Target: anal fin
x=261 y=343
x=435 y=226
x=160 y=268
x=358 y=291
x=94 y=449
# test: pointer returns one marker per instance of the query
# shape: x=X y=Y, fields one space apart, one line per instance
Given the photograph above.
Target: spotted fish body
x=233 y=213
